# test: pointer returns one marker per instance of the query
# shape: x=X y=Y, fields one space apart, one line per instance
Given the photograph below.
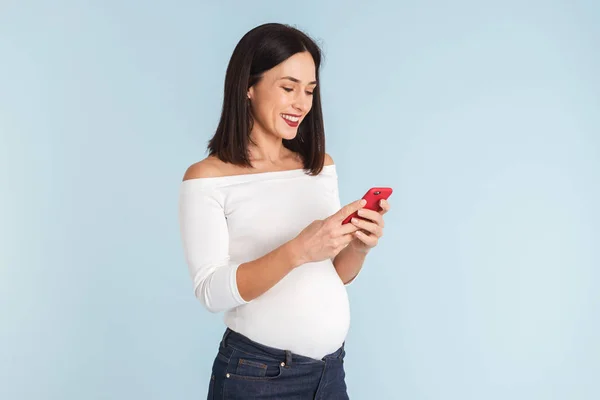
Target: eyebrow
x=291 y=78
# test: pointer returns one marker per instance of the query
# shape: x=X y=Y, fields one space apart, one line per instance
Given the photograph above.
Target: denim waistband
x=243 y=343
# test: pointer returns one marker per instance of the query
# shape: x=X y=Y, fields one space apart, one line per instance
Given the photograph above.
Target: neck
x=267 y=148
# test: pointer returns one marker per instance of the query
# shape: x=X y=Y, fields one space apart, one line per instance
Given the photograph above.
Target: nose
x=302 y=102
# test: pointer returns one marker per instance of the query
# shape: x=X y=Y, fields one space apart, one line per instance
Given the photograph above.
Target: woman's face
x=283 y=97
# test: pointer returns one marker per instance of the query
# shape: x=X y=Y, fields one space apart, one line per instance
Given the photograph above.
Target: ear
x=250 y=93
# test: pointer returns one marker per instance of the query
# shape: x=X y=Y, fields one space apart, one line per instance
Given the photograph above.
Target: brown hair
x=259 y=50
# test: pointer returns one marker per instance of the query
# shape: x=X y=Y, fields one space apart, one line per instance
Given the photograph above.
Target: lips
x=291 y=119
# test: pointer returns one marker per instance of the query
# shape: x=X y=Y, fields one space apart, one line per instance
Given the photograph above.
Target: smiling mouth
x=291 y=120
x=290 y=117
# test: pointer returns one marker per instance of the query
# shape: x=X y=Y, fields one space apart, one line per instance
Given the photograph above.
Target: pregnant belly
x=307 y=312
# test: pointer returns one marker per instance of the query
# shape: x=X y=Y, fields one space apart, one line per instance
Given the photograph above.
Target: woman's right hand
x=324 y=239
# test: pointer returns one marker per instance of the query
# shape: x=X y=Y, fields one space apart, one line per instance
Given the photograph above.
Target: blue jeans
x=244 y=369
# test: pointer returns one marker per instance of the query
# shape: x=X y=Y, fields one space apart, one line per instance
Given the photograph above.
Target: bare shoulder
x=328 y=160
x=210 y=167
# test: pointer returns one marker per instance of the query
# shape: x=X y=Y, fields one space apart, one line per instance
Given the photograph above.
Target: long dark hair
x=259 y=50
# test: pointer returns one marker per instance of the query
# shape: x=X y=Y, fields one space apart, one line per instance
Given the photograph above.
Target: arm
x=256 y=277
x=348 y=263
x=220 y=283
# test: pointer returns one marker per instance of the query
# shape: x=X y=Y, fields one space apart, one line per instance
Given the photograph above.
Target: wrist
x=294 y=253
x=359 y=249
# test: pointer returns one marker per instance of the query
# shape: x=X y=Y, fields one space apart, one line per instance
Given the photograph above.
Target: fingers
x=347 y=229
x=343 y=240
x=385 y=206
x=369 y=240
x=368 y=226
x=371 y=215
x=348 y=209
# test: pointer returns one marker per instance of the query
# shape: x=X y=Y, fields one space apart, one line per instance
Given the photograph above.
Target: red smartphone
x=373 y=197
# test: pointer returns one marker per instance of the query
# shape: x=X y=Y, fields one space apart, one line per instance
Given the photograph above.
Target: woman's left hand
x=371 y=227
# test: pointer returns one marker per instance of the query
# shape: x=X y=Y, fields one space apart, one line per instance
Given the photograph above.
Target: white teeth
x=290 y=118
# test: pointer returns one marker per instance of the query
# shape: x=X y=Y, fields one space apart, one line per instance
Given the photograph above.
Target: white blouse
x=227 y=221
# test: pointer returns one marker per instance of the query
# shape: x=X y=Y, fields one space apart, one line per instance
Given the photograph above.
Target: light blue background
x=483 y=116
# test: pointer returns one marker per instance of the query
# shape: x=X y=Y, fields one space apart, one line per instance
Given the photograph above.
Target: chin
x=287 y=134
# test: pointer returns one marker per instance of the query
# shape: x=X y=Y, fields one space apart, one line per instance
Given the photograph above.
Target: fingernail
x=363 y=202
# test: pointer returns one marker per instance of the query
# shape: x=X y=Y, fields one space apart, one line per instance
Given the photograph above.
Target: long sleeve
x=205 y=240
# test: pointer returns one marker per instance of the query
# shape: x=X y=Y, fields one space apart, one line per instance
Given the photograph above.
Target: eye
x=287 y=89
x=309 y=93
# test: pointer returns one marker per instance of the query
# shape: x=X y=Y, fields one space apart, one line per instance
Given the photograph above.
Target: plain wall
x=483 y=116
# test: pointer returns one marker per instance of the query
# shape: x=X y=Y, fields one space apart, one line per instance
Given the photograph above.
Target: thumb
x=349 y=209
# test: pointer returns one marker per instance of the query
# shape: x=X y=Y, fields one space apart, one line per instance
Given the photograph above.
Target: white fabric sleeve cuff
x=219 y=291
x=205 y=238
